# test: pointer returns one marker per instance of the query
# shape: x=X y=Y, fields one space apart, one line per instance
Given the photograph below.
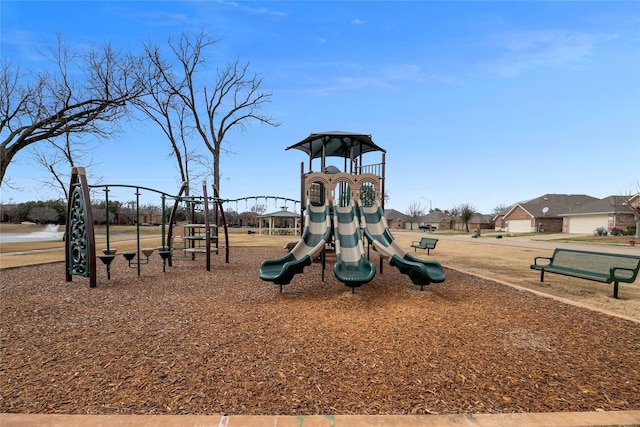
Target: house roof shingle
x=435 y=216
x=392 y=215
x=607 y=205
x=554 y=205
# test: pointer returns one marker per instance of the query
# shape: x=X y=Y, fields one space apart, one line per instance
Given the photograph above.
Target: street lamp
x=430 y=207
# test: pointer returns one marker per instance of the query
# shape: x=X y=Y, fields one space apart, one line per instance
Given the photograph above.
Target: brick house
x=399 y=221
x=476 y=222
x=395 y=219
x=499 y=223
x=438 y=219
x=609 y=214
x=544 y=213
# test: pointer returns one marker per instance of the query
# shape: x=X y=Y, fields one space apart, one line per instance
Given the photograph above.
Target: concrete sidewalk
x=561 y=419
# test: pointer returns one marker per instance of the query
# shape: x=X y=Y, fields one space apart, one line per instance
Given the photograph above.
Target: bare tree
x=501 y=208
x=635 y=207
x=231 y=215
x=58 y=157
x=209 y=112
x=148 y=213
x=414 y=211
x=165 y=108
x=633 y=204
x=258 y=209
x=43 y=214
x=99 y=215
x=251 y=216
x=454 y=211
x=467 y=212
x=8 y=211
x=82 y=93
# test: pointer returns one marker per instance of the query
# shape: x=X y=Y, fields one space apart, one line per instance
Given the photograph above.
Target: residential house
x=396 y=220
x=633 y=203
x=544 y=213
x=605 y=215
x=476 y=222
x=499 y=223
x=438 y=219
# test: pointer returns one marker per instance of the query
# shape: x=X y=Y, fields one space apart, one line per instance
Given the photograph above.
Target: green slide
x=352 y=267
x=422 y=272
x=316 y=233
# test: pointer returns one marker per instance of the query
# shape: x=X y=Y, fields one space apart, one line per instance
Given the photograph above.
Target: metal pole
x=106 y=208
x=138 y=227
x=303 y=201
x=430 y=203
x=382 y=184
x=163 y=197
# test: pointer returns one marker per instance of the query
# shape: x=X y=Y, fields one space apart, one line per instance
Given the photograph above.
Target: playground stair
x=193 y=240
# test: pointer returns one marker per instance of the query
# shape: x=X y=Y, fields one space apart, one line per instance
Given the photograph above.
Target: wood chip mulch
x=224 y=342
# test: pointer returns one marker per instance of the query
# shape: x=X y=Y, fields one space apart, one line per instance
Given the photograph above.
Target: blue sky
x=484 y=103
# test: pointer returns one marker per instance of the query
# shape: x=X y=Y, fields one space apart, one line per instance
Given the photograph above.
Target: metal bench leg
x=615 y=290
x=542 y=275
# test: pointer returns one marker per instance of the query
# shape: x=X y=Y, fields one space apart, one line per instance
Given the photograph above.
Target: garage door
x=519 y=226
x=586 y=224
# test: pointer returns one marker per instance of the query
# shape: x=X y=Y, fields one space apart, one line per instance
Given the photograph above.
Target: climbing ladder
x=197 y=237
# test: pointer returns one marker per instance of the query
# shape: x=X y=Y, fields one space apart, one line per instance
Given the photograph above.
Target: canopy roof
x=282 y=213
x=336 y=144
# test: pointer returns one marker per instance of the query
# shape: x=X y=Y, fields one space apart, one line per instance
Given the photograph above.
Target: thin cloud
x=24 y=44
x=253 y=10
x=152 y=17
x=36 y=46
x=520 y=52
x=357 y=21
x=403 y=72
x=354 y=77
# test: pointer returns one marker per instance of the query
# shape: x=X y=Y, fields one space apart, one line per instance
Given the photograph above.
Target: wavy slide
x=422 y=272
x=352 y=267
x=316 y=233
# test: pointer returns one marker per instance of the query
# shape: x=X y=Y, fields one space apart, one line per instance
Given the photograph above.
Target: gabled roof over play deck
x=348 y=145
x=336 y=144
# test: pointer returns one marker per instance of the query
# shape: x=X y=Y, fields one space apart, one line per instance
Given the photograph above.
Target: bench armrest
x=535 y=260
x=415 y=242
x=614 y=270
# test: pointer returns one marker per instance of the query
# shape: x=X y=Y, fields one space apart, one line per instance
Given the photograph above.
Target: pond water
x=51 y=232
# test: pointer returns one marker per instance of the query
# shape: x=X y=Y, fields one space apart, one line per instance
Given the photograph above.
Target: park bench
x=424 y=243
x=596 y=266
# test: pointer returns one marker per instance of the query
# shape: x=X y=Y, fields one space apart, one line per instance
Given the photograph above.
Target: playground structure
x=80 y=248
x=193 y=237
x=197 y=237
x=355 y=202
